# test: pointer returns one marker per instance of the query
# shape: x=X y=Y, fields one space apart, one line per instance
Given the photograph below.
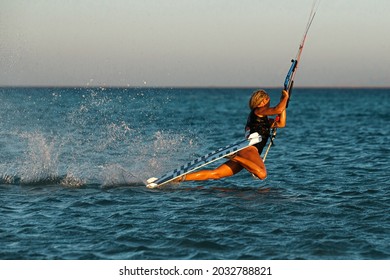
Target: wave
x=66 y=180
x=111 y=176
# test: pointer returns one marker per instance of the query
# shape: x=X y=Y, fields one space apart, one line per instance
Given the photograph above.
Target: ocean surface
x=73 y=162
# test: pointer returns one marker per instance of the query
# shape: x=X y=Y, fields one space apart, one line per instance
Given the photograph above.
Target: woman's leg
x=227 y=169
x=250 y=159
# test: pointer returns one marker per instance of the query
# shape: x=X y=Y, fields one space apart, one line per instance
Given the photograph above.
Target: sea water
x=73 y=162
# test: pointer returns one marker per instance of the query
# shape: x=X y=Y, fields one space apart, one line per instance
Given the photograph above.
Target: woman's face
x=264 y=102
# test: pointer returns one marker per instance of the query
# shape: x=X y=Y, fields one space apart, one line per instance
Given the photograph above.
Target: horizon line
x=190 y=87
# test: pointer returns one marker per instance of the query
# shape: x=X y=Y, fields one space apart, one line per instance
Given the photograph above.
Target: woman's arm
x=281 y=120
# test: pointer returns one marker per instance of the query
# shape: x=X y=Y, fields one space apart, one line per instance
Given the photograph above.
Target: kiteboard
x=200 y=162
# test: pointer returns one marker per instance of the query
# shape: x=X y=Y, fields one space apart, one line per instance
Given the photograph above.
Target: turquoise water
x=73 y=161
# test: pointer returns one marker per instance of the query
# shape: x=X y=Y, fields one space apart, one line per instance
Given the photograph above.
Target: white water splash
x=70 y=180
x=40 y=159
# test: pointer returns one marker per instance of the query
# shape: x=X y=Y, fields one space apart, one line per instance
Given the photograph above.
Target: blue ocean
x=73 y=163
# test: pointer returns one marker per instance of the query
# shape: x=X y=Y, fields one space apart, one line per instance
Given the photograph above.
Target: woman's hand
x=285 y=94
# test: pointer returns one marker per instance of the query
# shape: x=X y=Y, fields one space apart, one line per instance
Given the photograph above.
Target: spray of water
x=40 y=160
x=90 y=137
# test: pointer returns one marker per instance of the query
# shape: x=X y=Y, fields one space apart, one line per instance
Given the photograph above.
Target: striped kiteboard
x=200 y=162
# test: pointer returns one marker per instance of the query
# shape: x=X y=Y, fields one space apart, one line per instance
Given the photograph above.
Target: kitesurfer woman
x=250 y=157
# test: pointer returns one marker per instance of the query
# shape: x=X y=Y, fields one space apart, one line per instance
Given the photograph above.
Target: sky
x=193 y=43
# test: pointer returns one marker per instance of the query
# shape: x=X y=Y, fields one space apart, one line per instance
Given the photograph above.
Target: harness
x=260 y=125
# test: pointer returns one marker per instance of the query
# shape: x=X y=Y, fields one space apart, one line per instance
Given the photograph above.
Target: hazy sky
x=192 y=42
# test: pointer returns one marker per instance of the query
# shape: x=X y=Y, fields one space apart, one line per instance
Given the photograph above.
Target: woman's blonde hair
x=256 y=98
